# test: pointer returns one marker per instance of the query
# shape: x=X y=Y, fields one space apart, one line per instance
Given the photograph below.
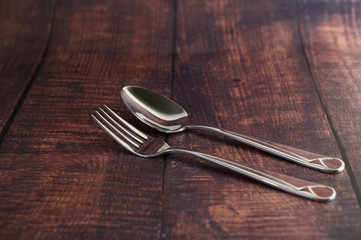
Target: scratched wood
x=240 y=65
x=332 y=42
x=61 y=176
x=24 y=31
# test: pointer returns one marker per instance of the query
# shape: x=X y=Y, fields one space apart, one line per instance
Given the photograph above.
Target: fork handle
x=311 y=160
x=286 y=183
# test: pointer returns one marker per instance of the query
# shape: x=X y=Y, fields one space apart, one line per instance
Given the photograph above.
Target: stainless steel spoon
x=167 y=116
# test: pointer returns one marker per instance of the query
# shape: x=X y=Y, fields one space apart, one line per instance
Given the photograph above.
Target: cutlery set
x=167 y=116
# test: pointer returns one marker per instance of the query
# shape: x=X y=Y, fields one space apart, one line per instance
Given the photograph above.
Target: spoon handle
x=283 y=182
x=308 y=159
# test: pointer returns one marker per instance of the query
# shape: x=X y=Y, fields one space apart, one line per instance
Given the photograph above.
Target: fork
x=144 y=145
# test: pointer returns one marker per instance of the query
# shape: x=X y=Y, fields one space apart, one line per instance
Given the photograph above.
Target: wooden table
x=286 y=71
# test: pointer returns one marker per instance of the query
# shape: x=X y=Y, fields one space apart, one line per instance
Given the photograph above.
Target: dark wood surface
x=25 y=28
x=286 y=71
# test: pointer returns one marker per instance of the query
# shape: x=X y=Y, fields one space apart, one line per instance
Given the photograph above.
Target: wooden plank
x=331 y=33
x=240 y=66
x=24 y=32
x=61 y=175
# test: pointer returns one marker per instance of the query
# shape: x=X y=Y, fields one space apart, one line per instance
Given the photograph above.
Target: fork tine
x=114 y=136
x=140 y=133
x=120 y=126
x=117 y=130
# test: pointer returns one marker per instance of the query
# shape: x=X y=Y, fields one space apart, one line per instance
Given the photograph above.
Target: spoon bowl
x=154 y=109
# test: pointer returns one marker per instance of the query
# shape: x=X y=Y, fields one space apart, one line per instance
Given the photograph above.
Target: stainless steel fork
x=144 y=145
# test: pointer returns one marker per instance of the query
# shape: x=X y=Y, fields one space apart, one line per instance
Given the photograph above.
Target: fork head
x=127 y=135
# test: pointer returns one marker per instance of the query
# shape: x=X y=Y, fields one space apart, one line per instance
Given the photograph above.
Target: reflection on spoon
x=167 y=116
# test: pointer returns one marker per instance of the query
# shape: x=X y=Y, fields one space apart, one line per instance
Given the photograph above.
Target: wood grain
x=285 y=71
x=61 y=175
x=244 y=69
x=25 y=28
x=332 y=43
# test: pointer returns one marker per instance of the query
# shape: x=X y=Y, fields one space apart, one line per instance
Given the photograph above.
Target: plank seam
x=30 y=82
x=334 y=132
x=174 y=47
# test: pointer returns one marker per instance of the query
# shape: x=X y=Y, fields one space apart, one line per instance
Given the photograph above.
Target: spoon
x=167 y=116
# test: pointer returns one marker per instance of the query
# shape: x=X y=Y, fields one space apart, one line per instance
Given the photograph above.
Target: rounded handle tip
x=320 y=192
x=329 y=164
